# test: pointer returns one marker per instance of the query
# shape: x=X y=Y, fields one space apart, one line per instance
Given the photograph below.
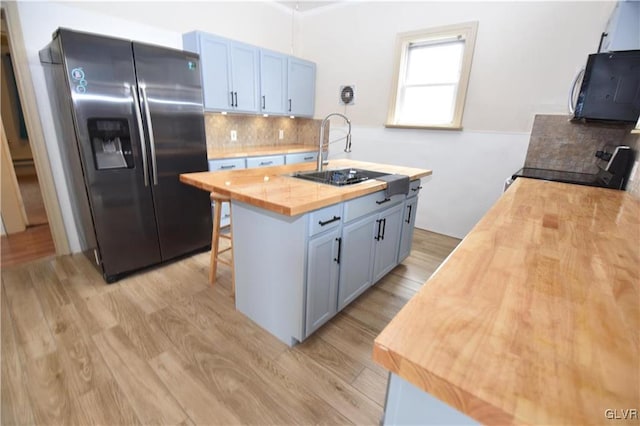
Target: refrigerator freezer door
x=171 y=99
x=100 y=72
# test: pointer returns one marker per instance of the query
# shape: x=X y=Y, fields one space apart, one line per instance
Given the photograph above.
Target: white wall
x=526 y=55
x=525 y=58
x=156 y=23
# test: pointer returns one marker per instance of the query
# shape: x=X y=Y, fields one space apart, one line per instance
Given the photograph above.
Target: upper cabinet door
x=302 y=87
x=229 y=72
x=215 y=68
x=273 y=82
x=244 y=72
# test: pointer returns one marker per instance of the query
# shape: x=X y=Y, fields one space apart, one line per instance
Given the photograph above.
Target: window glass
x=432 y=73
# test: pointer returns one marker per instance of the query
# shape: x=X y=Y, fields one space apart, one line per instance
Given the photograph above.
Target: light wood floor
x=164 y=347
x=36 y=241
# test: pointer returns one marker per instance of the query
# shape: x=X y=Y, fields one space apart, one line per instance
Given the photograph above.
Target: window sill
x=409 y=126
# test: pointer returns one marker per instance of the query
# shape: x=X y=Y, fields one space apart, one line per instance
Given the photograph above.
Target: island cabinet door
x=408 y=223
x=358 y=245
x=388 y=240
x=322 y=279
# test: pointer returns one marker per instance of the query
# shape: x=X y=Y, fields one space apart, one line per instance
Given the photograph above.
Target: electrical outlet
x=632 y=175
x=281 y=134
x=234 y=136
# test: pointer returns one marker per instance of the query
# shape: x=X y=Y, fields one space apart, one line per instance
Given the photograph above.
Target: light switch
x=234 y=135
x=281 y=134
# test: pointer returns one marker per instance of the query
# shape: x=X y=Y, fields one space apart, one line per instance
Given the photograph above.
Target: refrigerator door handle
x=143 y=143
x=152 y=142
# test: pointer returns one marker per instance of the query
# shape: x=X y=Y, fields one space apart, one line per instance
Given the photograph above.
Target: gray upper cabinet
x=301 y=87
x=229 y=70
x=273 y=82
x=239 y=77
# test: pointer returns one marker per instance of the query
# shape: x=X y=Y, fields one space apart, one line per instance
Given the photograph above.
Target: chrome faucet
x=347 y=147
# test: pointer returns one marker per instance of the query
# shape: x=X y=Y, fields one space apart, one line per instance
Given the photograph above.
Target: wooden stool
x=215 y=239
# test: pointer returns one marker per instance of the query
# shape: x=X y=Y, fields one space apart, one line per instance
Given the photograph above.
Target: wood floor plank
x=107 y=405
x=146 y=393
x=352 y=338
x=15 y=408
x=246 y=381
x=222 y=367
x=23 y=247
x=337 y=393
x=325 y=354
x=134 y=322
x=84 y=367
x=373 y=385
x=49 y=392
x=211 y=309
x=32 y=331
x=78 y=351
x=201 y=405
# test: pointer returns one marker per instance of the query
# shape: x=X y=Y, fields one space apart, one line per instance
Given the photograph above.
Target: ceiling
x=303 y=6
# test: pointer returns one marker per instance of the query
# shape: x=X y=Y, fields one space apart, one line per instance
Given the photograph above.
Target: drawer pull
x=383 y=201
x=309 y=158
x=416 y=189
x=266 y=163
x=228 y=166
x=326 y=222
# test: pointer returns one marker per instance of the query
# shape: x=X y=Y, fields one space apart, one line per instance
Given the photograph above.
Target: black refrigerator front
x=138 y=122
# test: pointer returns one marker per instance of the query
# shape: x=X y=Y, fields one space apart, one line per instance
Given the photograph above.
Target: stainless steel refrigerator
x=129 y=119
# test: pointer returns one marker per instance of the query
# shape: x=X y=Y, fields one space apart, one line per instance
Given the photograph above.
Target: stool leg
x=233 y=269
x=217 y=210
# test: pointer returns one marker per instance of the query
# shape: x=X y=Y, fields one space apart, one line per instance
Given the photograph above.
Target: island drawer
x=325 y=219
x=414 y=188
x=265 y=161
x=226 y=164
x=362 y=206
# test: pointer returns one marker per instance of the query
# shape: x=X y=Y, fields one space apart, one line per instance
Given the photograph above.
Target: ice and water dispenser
x=111 y=143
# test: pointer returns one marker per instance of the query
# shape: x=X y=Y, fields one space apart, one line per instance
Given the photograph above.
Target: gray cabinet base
x=407 y=404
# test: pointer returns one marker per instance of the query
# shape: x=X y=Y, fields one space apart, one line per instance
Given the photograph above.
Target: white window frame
x=466 y=31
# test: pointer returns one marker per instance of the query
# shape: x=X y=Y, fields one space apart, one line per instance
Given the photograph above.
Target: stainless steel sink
x=340 y=177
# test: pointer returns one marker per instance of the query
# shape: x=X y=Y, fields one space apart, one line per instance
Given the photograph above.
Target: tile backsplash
x=253 y=131
x=556 y=143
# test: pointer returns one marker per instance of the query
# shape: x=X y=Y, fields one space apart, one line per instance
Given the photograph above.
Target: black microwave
x=610 y=89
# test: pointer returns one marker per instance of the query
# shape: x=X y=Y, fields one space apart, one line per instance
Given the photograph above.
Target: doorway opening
x=28 y=236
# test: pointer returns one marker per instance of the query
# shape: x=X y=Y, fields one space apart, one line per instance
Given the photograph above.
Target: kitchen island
x=533 y=319
x=305 y=250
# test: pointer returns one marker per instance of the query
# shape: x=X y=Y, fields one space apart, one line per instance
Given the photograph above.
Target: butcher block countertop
x=252 y=151
x=271 y=188
x=535 y=317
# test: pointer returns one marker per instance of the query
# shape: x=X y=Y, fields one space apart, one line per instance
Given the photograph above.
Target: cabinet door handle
x=383 y=201
x=236 y=96
x=409 y=217
x=326 y=222
x=289 y=105
x=337 y=259
x=231 y=99
x=384 y=226
x=266 y=163
x=377 y=237
x=264 y=101
x=230 y=166
x=416 y=189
